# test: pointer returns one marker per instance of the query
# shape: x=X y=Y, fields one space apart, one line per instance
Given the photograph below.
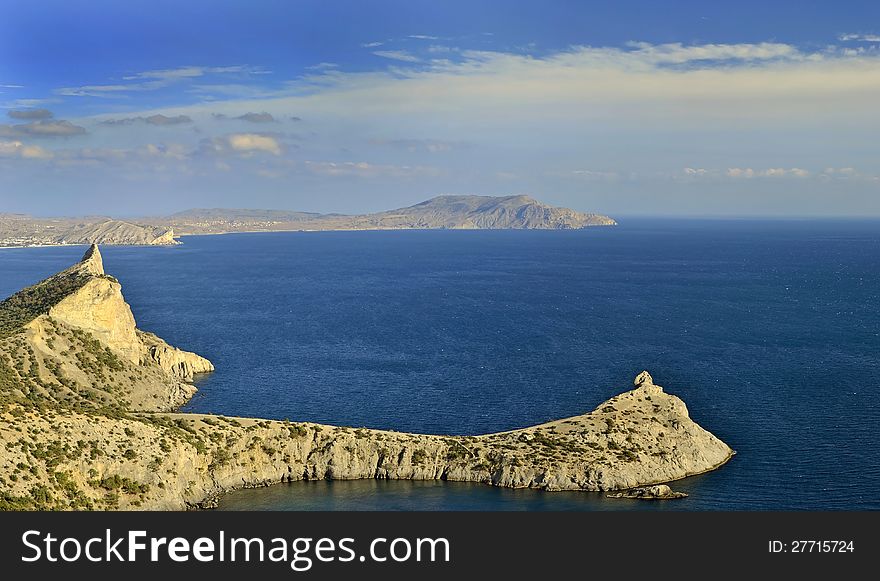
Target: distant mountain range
x=442 y=212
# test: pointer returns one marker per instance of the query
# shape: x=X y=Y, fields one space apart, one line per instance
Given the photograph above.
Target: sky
x=628 y=108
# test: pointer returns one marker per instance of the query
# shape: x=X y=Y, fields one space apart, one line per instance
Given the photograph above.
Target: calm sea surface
x=769 y=330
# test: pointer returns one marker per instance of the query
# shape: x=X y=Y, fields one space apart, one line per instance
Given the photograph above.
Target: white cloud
x=423 y=37
x=17 y=149
x=250 y=142
x=372 y=44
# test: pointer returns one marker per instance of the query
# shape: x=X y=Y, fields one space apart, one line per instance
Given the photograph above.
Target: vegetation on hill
x=28 y=304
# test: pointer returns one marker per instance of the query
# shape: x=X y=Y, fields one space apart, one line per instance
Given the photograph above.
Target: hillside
x=85 y=398
x=21 y=230
x=482 y=212
x=118 y=232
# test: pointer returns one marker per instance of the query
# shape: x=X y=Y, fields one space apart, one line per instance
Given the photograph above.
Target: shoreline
x=177 y=237
x=102 y=437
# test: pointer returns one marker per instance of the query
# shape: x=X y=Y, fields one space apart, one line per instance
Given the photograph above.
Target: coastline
x=95 y=395
x=179 y=236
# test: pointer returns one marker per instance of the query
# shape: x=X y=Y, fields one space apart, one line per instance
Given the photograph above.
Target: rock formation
x=656 y=492
x=80 y=338
x=84 y=424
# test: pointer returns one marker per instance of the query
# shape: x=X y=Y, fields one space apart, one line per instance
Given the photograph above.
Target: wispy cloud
x=249 y=117
x=418 y=145
x=423 y=37
x=158 y=119
x=59 y=128
x=190 y=72
x=773 y=172
x=365 y=169
x=397 y=55
x=155 y=79
x=102 y=90
x=859 y=37
x=29 y=114
x=596 y=175
x=323 y=66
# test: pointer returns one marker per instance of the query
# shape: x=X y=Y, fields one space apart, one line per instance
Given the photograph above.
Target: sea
x=768 y=329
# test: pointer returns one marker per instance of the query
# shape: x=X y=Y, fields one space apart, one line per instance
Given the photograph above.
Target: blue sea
x=769 y=330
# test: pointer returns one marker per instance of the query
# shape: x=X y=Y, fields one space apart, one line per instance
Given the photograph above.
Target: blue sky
x=635 y=107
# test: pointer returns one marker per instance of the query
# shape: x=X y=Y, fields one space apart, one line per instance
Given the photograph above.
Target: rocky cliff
x=72 y=340
x=82 y=399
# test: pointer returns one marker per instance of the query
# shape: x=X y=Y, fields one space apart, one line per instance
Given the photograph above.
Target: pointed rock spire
x=643 y=378
x=92 y=262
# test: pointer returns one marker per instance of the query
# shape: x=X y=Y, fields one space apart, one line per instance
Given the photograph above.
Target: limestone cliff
x=118 y=232
x=72 y=339
x=81 y=424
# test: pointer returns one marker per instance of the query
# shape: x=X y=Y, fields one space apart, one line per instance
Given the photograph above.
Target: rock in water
x=656 y=492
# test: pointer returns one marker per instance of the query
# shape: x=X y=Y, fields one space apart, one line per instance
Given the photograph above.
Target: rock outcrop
x=80 y=338
x=177 y=362
x=656 y=492
x=83 y=417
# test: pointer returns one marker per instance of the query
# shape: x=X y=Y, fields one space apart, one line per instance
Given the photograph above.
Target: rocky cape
x=86 y=422
x=20 y=230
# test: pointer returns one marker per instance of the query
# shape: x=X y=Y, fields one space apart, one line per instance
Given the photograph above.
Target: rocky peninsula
x=441 y=212
x=21 y=230
x=87 y=421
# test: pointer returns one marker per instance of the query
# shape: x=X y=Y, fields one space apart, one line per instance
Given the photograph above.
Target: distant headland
x=441 y=212
x=87 y=421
